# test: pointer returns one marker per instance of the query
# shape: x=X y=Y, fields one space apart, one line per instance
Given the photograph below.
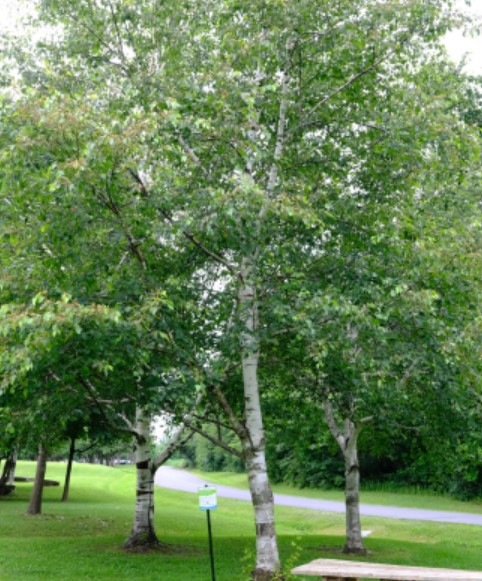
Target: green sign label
x=207 y=498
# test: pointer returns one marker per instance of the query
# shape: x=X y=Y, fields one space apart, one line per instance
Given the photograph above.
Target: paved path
x=183 y=480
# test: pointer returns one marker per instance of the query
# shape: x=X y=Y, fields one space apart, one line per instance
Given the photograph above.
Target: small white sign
x=207 y=498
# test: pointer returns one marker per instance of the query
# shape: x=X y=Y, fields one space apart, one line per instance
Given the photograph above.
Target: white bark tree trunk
x=143 y=533
x=348 y=441
x=354 y=540
x=267 y=555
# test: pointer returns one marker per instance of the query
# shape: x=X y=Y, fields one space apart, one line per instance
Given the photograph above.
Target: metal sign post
x=211 y=552
x=208 y=502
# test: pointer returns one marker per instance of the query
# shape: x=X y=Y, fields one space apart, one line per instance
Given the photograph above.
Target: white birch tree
x=229 y=133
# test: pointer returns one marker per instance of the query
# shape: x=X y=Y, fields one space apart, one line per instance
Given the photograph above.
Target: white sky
x=457 y=44
x=10 y=10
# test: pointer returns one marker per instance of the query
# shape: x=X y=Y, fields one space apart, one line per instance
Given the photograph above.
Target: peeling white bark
x=280 y=135
x=348 y=442
x=143 y=533
x=267 y=555
x=354 y=539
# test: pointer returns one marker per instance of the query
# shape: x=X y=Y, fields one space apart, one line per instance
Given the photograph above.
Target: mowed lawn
x=82 y=539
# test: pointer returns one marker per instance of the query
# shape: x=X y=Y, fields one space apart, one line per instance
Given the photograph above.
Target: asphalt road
x=184 y=481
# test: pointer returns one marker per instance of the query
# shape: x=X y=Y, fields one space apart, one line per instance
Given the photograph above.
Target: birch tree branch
x=345 y=85
x=332 y=425
x=91 y=30
x=193 y=239
x=215 y=440
x=280 y=136
x=120 y=44
x=93 y=396
x=110 y=204
x=355 y=77
x=127 y=422
x=278 y=148
x=238 y=427
x=192 y=155
x=181 y=437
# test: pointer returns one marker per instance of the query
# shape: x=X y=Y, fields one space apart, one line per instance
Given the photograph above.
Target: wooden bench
x=46 y=482
x=334 y=570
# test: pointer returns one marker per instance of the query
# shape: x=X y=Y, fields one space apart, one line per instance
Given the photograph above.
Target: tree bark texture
x=347 y=440
x=354 y=541
x=68 y=473
x=267 y=555
x=35 y=505
x=143 y=533
x=8 y=473
x=7 y=480
x=13 y=467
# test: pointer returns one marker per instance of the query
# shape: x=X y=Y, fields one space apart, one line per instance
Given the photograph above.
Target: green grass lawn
x=81 y=540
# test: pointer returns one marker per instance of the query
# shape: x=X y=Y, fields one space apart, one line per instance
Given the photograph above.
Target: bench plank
x=344 y=570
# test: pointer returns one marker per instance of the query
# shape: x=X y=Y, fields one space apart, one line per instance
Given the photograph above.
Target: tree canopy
x=224 y=206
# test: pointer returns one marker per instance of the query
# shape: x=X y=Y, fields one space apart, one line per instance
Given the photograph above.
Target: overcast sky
x=456 y=43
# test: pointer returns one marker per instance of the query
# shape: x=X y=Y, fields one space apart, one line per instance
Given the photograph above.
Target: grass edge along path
x=416 y=499
x=81 y=540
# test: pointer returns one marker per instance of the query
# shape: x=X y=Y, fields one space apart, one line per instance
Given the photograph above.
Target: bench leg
x=340 y=579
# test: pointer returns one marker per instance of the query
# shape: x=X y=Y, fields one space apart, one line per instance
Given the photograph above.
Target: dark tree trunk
x=35 y=505
x=65 y=493
x=13 y=467
x=8 y=475
x=8 y=469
